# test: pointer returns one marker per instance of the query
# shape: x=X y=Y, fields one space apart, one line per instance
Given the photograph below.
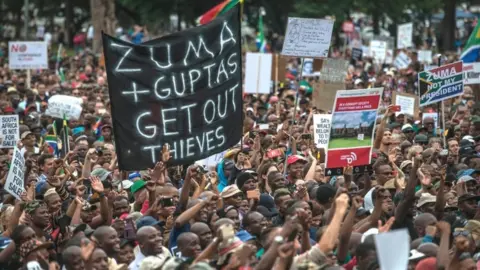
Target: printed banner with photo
x=184 y=90
x=352 y=133
x=440 y=83
x=471 y=73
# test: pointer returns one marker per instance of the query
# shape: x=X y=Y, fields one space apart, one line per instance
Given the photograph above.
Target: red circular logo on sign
x=23 y=48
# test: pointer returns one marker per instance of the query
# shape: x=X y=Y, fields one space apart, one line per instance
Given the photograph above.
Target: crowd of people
x=252 y=210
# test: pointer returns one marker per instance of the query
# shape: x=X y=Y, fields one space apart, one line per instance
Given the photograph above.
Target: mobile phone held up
x=396 y=108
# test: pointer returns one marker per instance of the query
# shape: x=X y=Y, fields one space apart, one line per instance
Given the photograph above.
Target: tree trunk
x=69 y=23
x=449 y=25
x=103 y=19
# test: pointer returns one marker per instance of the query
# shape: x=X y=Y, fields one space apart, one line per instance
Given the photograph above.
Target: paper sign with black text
x=321 y=129
x=308 y=37
x=353 y=121
x=472 y=73
x=183 y=89
x=404 y=36
x=27 y=55
x=15 y=177
x=357 y=54
x=258 y=73
x=60 y=106
x=378 y=50
x=9 y=131
x=402 y=61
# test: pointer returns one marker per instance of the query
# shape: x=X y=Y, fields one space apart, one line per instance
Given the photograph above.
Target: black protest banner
x=184 y=89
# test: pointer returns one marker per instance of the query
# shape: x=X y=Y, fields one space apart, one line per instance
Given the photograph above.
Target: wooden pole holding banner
x=258 y=72
x=275 y=86
x=295 y=104
x=442 y=110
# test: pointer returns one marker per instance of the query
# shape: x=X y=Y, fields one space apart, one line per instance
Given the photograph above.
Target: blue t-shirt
x=137 y=39
x=172 y=242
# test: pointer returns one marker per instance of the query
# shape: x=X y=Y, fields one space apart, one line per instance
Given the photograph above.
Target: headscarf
x=222 y=179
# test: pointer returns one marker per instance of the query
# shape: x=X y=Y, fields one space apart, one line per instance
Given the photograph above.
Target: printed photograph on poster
x=307 y=67
x=352 y=129
x=471 y=73
x=258 y=73
x=322 y=126
x=352 y=132
x=9 y=131
x=307 y=37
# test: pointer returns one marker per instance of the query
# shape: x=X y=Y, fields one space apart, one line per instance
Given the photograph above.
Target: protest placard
x=402 y=61
x=308 y=37
x=471 y=73
x=334 y=70
x=404 y=35
x=440 y=83
x=389 y=56
x=357 y=54
x=393 y=249
x=183 y=89
x=15 y=178
x=61 y=106
x=408 y=103
x=378 y=50
x=351 y=136
x=211 y=161
x=321 y=127
x=258 y=73
x=9 y=131
x=27 y=55
x=323 y=94
x=424 y=56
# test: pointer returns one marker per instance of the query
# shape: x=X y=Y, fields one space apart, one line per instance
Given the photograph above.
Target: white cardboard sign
x=378 y=50
x=425 y=56
x=27 y=55
x=308 y=37
x=62 y=105
x=404 y=36
x=15 y=177
x=321 y=127
x=9 y=131
x=407 y=104
x=402 y=61
x=472 y=73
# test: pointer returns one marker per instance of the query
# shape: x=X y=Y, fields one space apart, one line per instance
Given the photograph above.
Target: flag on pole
x=64 y=137
x=261 y=44
x=52 y=142
x=471 y=51
x=217 y=11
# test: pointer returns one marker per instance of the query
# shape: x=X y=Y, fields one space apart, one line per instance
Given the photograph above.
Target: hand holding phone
x=396 y=108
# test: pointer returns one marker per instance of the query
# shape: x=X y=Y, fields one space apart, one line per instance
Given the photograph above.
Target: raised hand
x=87 y=248
x=166 y=153
x=387 y=226
x=150 y=186
x=97 y=185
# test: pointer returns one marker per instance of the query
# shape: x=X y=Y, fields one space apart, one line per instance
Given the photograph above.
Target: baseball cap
x=466 y=178
x=147 y=221
x=9 y=110
x=127 y=184
x=466 y=172
x=407 y=127
x=138 y=185
x=268 y=213
x=426 y=198
x=100 y=173
x=25 y=134
x=294 y=159
x=421 y=138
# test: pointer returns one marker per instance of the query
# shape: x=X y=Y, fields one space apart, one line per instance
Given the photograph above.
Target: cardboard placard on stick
x=408 y=103
x=323 y=95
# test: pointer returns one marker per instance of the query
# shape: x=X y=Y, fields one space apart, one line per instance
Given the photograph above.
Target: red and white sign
x=353 y=121
x=27 y=55
x=348 y=27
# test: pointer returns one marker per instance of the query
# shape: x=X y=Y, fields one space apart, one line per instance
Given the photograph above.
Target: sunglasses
x=461 y=233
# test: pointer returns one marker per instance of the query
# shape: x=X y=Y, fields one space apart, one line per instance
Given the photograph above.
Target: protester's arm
x=330 y=236
x=409 y=193
x=17 y=212
x=208 y=252
x=200 y=188
x=186 y=216
x=443 y=256
x=346 y=230
x=7 y=253
x=303 y=220
x=191 y=173
x=76 y=218
x=307 y=124
x=268 y=259
x=440 y=203
x=380 y=129
x=105 y=213
x=311 y=171
x=367 y=185
x=286 y=254
x=87 y=165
